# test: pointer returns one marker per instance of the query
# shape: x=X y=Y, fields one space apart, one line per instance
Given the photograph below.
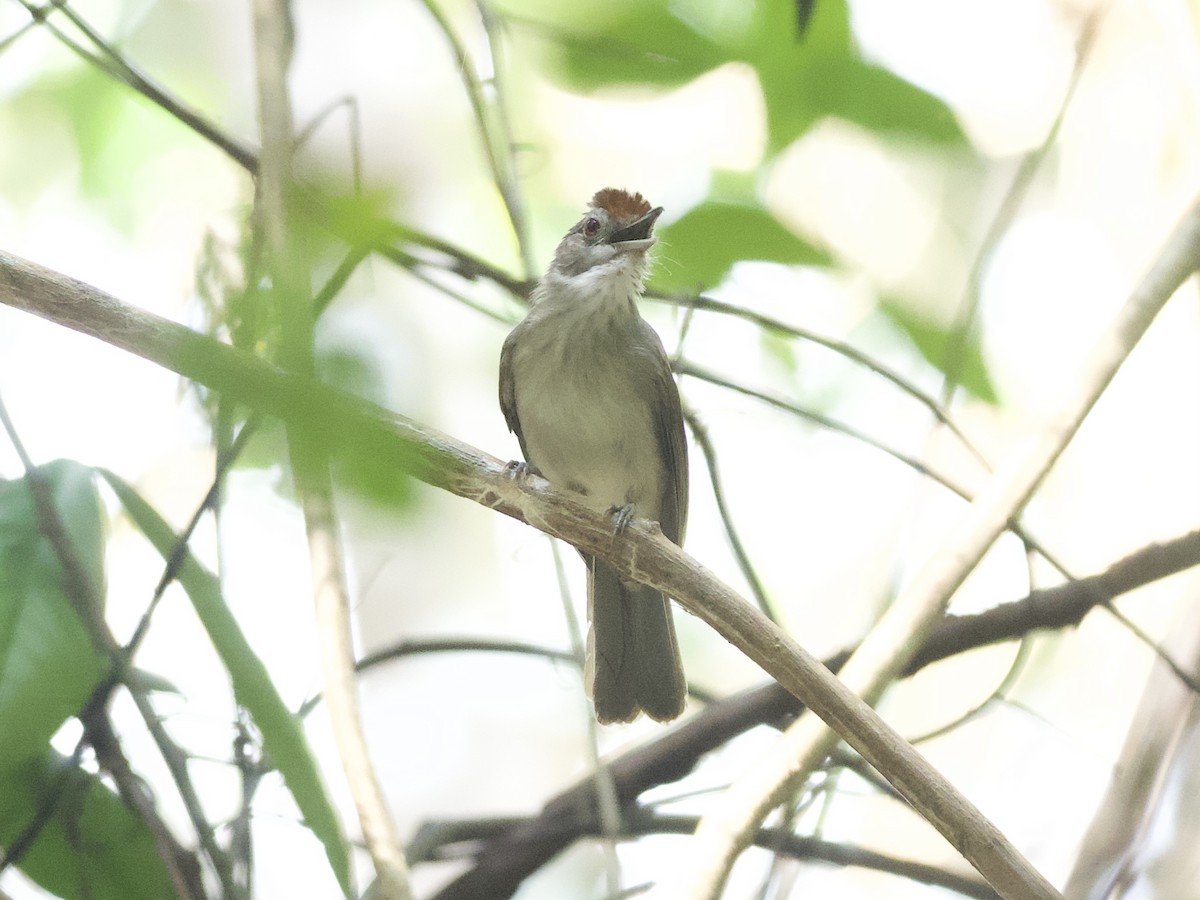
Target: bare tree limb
x=447 y=841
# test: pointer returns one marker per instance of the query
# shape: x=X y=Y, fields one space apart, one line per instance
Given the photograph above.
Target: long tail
x=633 y=659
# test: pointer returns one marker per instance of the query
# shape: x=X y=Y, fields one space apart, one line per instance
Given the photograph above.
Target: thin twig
x=417 y=647
x=273 y=31
x=18 y=34
x=250 y=771
x=350 y=103
x=1015 y=668
x=1140 y=634
x=783 y=841
x=686 y=367
x=492 y=26
x=608 y=805
x=700 y=436
x=497 y=148
x=181 y=866
x=440 y=841
x=116 y=65
x=776 y=326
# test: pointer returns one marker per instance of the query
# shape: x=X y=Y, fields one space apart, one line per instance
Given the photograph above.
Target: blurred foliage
x=809 y=68
x=333 y=232
x=804 y=76
x=48 y=666
x=958 y=357
x=699 y=249
x=117 y=133
x=90 y=846
x=282 y=736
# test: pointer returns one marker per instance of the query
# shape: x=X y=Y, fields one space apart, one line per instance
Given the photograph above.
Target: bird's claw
x=622 y=516
x=519 y=470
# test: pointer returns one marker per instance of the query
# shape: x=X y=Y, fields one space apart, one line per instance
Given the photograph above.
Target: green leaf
x=282 y=735
x=824 y=75
x=586 y=48
x=117 y=134
x=884 y=102
x=805 y=57
x=91 y=846
x=48 y=666
x=942 y=349
x=699 y=250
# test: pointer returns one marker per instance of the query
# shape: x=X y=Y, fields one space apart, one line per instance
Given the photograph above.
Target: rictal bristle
x=621 y=205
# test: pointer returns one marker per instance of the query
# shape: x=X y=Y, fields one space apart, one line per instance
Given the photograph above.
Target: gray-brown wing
x=508 y=389
x=672 y=443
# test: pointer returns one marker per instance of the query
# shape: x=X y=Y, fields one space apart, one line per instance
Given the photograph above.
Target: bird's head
x=616 y=227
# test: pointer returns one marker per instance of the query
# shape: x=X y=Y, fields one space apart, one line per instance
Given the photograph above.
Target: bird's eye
x=590 y=227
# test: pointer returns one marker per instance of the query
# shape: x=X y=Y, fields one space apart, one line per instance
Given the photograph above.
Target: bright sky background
x=833 y=526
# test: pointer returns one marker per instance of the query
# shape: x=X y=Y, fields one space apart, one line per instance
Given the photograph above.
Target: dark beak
x=637 y=234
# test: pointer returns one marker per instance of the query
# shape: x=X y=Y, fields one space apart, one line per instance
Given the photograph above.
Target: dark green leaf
x=808 y=65
x=962 y=362
x=631 y=43
x=48 y=666
x=698 y=250
x=91 y=846
x=881 y=101
x=825 y=75
x=282 y=735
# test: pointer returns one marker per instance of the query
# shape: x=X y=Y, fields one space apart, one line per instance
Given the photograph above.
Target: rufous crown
x=621 y=205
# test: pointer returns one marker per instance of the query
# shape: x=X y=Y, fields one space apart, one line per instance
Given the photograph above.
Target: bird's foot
x=519 y=470
x=622 y=516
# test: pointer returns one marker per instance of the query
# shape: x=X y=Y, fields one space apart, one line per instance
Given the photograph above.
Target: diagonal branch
x=516 y=852
x=641 y=552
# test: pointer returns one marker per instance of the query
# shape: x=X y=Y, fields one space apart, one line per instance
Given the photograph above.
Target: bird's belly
x=593 y=434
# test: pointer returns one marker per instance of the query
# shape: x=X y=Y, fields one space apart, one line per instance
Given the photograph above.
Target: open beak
x=636 y=235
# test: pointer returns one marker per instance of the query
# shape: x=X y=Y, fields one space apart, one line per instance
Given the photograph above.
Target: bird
x=586 y=386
